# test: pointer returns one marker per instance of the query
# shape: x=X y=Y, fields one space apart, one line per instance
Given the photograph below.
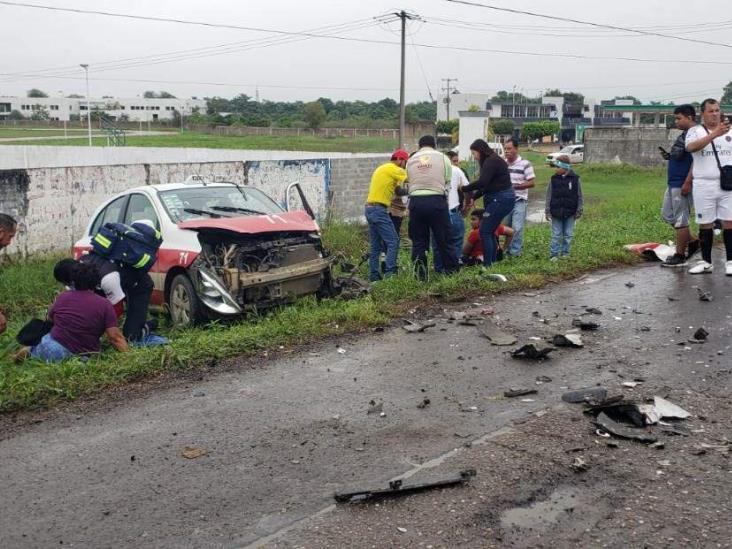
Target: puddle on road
x=543 y=514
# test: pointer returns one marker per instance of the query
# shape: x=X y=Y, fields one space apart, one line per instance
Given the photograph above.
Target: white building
x=137 y=109
x=457 y=102
x=473 y=125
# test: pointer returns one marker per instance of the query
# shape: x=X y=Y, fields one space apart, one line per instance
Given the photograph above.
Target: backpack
x=135 y=246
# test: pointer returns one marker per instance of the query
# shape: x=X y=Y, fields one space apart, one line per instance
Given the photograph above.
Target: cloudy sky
x=484 y=49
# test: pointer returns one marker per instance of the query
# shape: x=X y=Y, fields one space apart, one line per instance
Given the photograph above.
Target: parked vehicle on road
x=226 y=249
x=576 y=154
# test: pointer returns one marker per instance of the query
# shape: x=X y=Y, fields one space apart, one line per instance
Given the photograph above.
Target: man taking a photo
x=677 y=201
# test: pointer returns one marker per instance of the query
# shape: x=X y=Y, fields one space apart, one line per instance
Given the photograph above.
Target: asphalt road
x=281 y=434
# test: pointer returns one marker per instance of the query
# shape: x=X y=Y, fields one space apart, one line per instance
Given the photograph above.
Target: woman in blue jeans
x=494 y=185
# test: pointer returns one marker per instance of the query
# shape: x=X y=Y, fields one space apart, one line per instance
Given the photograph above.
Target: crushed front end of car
x=238 y=273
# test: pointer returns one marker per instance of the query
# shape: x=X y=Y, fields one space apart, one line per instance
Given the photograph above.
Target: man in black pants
x=429 y=173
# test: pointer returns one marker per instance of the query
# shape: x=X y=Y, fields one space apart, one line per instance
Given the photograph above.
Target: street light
x=88 y=102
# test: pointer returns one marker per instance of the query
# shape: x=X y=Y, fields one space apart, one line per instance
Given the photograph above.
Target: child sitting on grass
x=473 y=248
x=563 y=206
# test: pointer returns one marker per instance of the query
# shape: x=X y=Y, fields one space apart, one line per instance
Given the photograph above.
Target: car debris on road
x=530 y=352
x=511 y=393
x=491 y=332
x=417 y=327
x=568 y=340
x=397 y=489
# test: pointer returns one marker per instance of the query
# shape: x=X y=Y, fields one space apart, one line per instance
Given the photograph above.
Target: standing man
x=385 y=183
x=430 y=172
x=522 y=179
x=456 y=238
x=677 y=201
x=711 y=145
x=8 y=228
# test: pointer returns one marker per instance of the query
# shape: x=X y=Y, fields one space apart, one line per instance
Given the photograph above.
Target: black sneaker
x=693 y=248
x=676 y=260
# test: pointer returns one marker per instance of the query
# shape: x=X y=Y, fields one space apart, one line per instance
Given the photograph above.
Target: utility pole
x=447 y=90
x=403 y=15
x=85 y=66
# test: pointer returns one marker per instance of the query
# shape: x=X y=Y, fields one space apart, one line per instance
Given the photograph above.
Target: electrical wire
x=208 y=51
x=589 y=23
x=508 y=30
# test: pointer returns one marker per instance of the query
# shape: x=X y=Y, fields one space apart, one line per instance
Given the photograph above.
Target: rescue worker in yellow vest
x=429 y=173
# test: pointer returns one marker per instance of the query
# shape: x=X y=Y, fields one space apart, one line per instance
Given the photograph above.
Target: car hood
x=298 y=221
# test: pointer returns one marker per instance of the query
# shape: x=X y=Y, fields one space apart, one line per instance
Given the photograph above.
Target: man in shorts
x=677 y=201
x=711 y=145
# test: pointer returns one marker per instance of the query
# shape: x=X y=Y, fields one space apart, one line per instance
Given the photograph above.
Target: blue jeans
x=381 y=235
x=562 y=232
x=497 y=206
x=50 y=350
x=516 y=220
x=456 y=239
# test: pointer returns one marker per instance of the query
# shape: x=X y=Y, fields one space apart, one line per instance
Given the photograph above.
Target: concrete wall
x=637 y=146
x=350 y=180
x=53 y=191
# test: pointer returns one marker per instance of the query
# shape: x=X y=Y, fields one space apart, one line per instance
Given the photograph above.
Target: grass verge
x=251 y=142
x=622 y=206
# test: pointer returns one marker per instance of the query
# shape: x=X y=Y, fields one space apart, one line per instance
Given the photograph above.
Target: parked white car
x=576 y=154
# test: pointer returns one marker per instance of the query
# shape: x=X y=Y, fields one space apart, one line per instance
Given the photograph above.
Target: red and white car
x=226 y=249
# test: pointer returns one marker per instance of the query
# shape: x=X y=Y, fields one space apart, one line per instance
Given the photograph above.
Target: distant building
x=457 y=102
x=136 y=109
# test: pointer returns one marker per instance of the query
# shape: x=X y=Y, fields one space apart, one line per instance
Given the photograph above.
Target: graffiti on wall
x=55 y=205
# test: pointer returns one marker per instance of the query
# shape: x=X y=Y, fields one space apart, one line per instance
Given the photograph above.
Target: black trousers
x=138 y=287
x=430 y=213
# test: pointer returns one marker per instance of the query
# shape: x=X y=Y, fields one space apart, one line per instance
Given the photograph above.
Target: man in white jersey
x=711 y=146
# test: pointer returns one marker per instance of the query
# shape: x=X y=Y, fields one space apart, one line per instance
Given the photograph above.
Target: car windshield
x=208 y=202
x=567 y=150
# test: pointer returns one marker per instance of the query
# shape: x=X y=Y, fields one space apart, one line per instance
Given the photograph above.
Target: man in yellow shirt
x=385 y=183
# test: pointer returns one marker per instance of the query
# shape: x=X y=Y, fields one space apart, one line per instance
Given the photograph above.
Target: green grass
x=40 y=132
x=622 y=206
x=266 y=142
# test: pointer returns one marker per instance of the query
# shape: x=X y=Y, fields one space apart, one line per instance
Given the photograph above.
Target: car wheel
x=185 y=307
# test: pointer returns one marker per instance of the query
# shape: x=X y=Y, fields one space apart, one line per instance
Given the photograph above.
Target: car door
x=140 y=208
x=111 y=213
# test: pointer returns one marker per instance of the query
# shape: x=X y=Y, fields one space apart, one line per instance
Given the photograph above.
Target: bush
x=447 y=126
x=537 y=130
x=502 y=126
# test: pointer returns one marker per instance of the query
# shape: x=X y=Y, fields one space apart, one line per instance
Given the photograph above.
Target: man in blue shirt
x=677 y=201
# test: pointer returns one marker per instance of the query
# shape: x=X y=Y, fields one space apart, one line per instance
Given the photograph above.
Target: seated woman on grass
x=80 y=317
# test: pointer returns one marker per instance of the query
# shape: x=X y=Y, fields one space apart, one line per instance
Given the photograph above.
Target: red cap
x=400 y=154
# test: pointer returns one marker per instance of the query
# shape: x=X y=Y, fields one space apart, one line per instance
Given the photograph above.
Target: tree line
x=245 y=111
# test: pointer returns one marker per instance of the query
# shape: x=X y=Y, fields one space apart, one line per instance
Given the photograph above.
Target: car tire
x=183 y=303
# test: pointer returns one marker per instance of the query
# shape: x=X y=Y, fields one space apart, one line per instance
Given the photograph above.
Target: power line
x=309 y=34
x=539 y=31
x=690 y=28
x=230 y=84
x=590 y=23
x=196 y=53
x=175 y=20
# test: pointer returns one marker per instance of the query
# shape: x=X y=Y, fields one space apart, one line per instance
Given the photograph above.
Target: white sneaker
x=728 y=268
x=702 y=267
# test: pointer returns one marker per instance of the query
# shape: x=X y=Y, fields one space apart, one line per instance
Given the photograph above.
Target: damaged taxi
x=227 y=249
